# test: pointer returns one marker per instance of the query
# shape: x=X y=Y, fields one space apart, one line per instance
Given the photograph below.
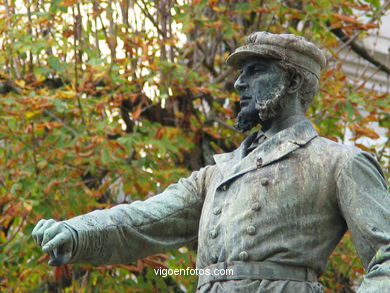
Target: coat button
x=217 y=210
x=243 y=255
x=213 y=233
x=256 y=206
x=259 y=162
x=214 y=259
x=251 y=230
x=264 y=181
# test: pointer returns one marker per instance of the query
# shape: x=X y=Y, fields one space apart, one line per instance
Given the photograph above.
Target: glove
x=55 y=238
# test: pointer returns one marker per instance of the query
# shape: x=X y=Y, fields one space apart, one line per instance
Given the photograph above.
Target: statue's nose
x=240 y=84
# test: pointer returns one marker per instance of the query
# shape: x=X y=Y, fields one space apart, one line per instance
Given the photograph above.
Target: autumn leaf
x=67 y=2
x=195 y=2
x=137 y=112
x=154 y=263
x=58 y=272
x=363 y=147
x=67 y=33
x=364 y=131
x=86 y=154
x=211 y=132
x=364 y=7
x=346 y=18
x=262 y=10
x=44 y=258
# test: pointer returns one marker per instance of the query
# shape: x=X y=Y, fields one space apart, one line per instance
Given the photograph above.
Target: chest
x=290 y=193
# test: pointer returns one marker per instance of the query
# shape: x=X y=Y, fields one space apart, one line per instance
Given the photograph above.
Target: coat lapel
x=274 y=148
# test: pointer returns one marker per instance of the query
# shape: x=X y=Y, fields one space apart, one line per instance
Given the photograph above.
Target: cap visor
x=237 y=58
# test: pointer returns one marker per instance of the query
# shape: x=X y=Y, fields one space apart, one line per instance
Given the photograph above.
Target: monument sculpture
x=273 y=210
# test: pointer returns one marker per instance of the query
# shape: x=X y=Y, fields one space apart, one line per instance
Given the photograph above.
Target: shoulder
x=348 y=159
x=334 y=150
x=340 y=156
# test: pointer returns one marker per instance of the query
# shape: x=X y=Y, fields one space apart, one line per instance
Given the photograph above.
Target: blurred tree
x=100 y=98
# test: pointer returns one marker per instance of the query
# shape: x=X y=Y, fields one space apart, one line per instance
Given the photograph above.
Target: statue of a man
x=273 y=210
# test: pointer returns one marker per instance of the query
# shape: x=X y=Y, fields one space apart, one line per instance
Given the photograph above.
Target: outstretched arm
x=365 y=203
x=128 y=232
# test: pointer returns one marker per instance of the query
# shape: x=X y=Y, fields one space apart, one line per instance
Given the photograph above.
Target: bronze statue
x=273 y=210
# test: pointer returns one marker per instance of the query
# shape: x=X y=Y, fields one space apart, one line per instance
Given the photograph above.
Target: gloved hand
x=56 y=239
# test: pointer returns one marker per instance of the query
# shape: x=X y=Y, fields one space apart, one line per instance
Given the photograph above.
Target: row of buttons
x=243 y=255
x=263 y=181
x=251 y=230
x=214 y=233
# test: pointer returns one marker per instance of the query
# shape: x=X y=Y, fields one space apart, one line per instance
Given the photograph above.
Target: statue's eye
x=257 y=69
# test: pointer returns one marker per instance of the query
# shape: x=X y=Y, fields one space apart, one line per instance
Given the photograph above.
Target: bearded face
x=262 y=90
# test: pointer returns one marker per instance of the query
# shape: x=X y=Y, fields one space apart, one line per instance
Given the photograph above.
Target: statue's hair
x=310 y=85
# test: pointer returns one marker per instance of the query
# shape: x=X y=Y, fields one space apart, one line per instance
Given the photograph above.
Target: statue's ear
x=295 y=83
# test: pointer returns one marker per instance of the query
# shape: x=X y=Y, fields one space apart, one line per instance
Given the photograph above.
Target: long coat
x=287 y=202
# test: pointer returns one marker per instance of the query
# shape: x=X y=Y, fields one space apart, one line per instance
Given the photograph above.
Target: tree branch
x=219 y=121
x=377 y=15
x=34 y=146
x=150 y=17
x=74 y=132
x=360 y=50
x=223 y=75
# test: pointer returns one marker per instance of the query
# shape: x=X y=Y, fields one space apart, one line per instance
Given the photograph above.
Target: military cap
x=289 y=48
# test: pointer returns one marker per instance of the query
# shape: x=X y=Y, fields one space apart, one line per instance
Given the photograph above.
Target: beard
x=247 y=118
x=272 y=107
x=258 y=112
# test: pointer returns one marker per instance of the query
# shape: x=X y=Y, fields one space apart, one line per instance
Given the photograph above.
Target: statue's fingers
x=67 y=256
x=58 y=256
x=46 y=225
x=54 y=260
x=60 y=259
x=55 y=242
x=41 y=233
x=38 y=225
x=35 y=234
x=51 y=254
x=49 y=234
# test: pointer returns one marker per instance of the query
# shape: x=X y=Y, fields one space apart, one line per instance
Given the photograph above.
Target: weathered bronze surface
x=273 y=210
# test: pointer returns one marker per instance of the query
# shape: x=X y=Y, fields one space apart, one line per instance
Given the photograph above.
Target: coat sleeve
x=365 y=204
x=128 y=232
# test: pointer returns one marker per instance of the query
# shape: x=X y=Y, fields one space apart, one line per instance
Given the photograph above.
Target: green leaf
x=55 y=63
x=60 y=105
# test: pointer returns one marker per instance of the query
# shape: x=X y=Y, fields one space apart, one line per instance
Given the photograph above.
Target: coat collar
x=274 y=148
